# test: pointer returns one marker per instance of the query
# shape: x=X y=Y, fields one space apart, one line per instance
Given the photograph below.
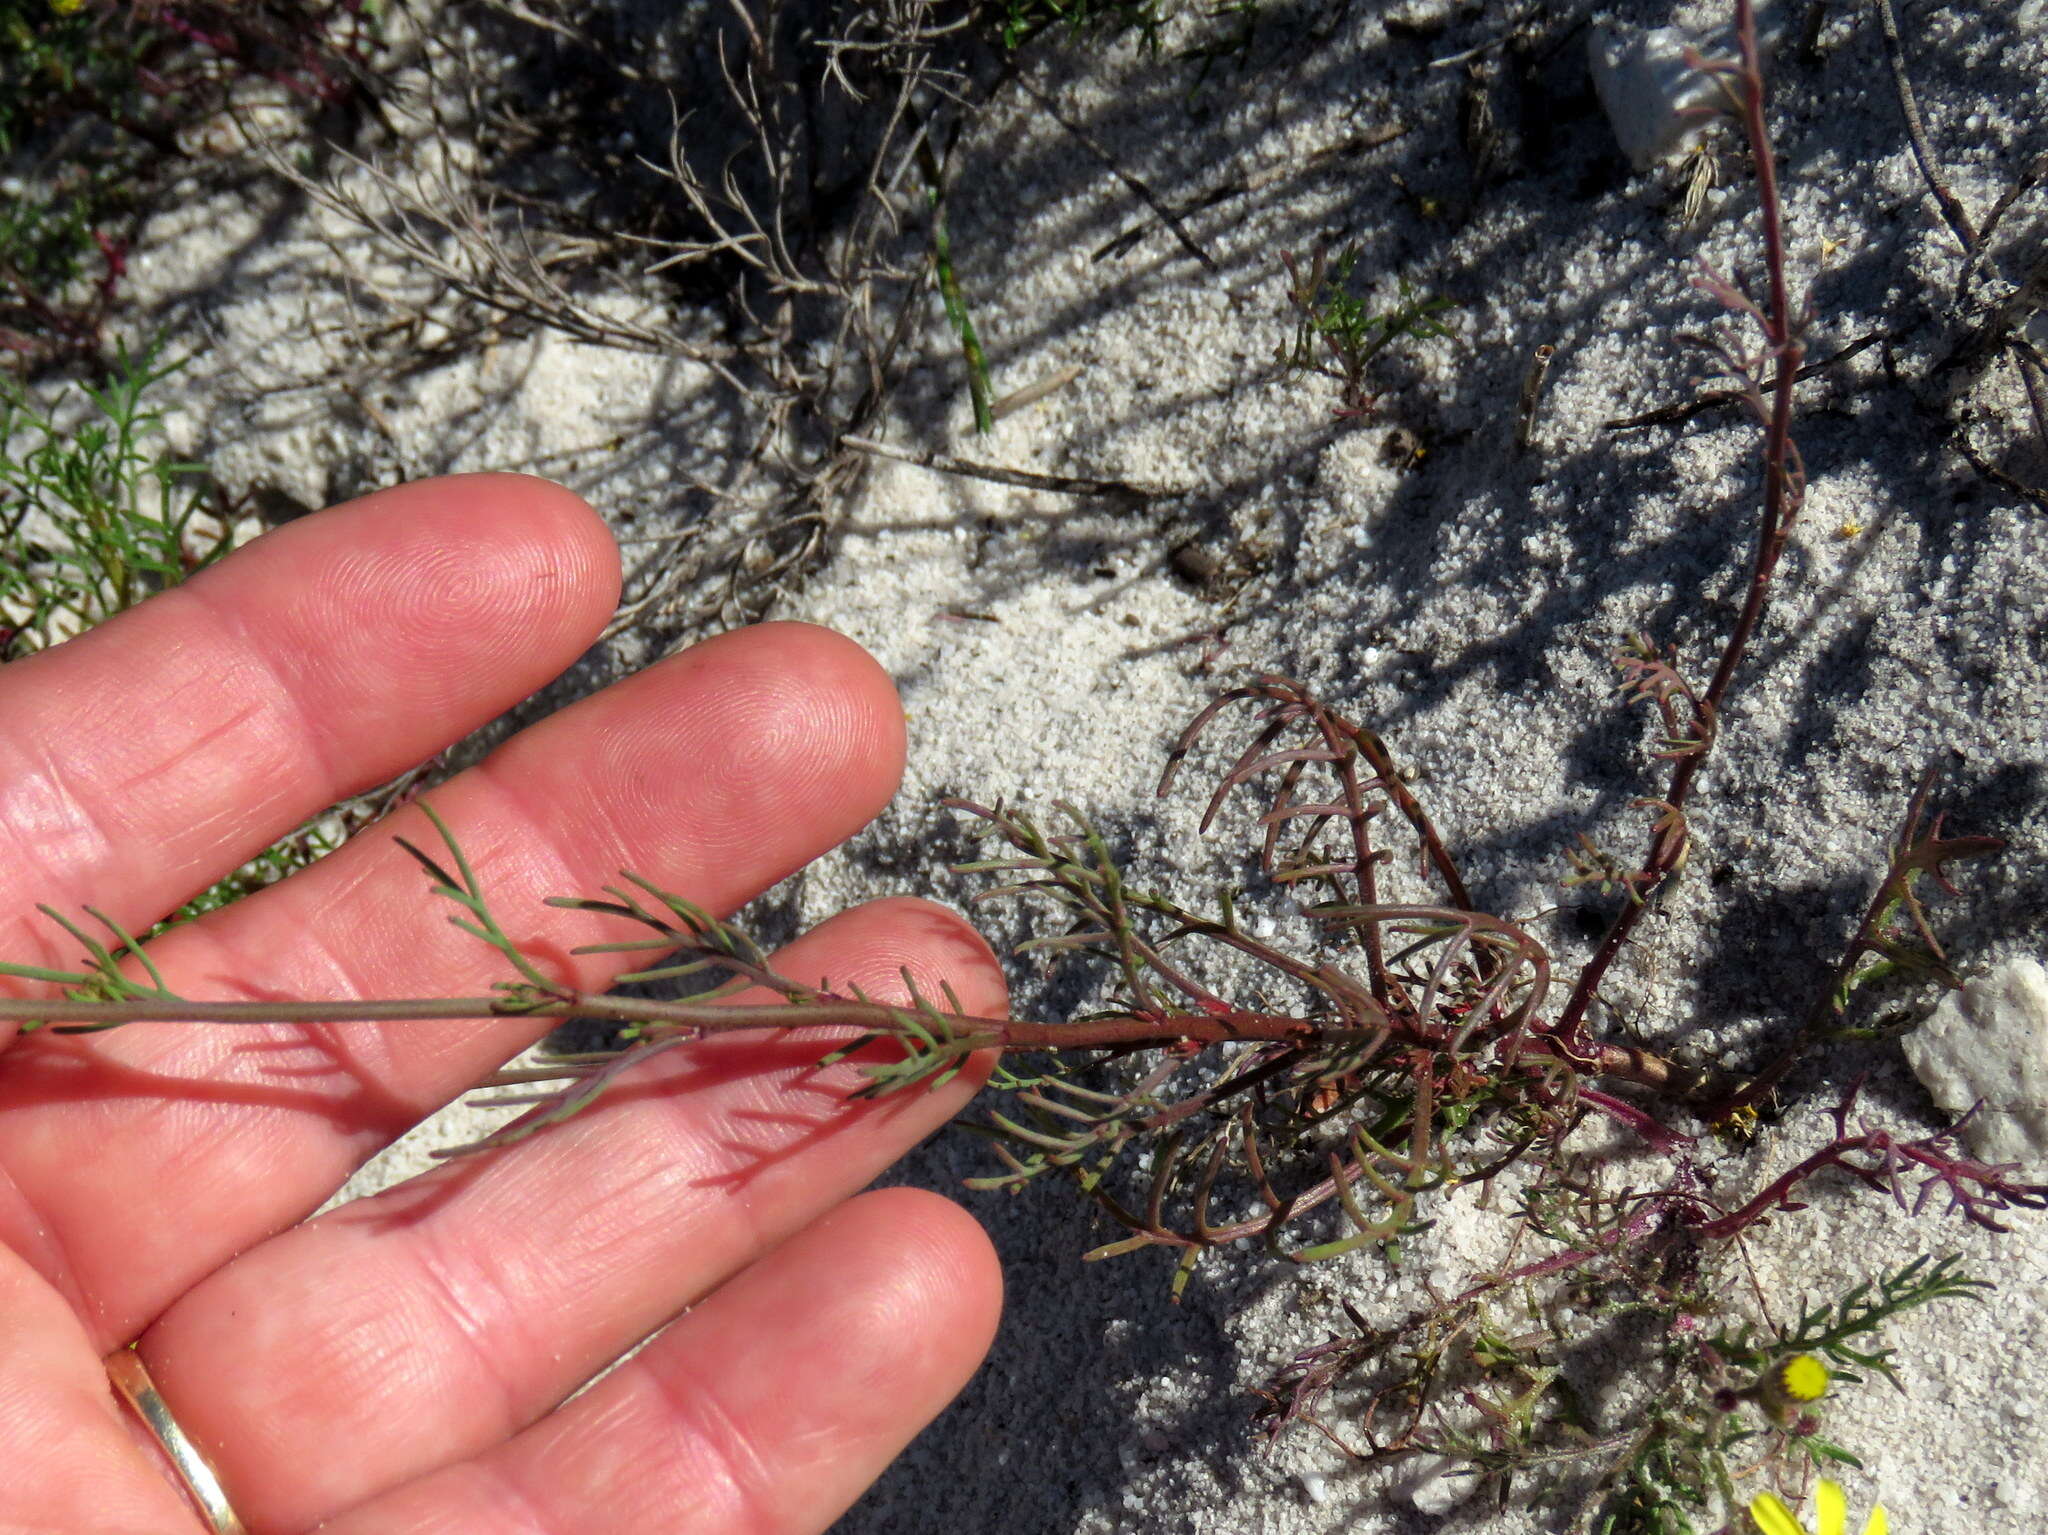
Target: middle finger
x=151 y=1154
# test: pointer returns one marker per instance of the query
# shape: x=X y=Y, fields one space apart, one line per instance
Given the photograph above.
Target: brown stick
x=1060 y=484
x=1713 y=399
x=1953 y=213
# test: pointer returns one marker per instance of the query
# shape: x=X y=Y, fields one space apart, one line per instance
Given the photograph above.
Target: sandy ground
x=1430 y=579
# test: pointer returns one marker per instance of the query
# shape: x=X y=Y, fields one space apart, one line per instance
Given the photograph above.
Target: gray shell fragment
x=1990 y=1041
x=1656 y=101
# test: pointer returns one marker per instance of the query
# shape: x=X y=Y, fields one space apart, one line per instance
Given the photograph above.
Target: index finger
x=154 y=754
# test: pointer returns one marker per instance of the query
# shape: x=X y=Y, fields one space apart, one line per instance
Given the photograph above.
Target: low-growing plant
x=52 y=300
x=1017 y=22
x=146 y=68
x=1221 y=33
x=777 y=209
x=94 y=515
x=1325 y=1092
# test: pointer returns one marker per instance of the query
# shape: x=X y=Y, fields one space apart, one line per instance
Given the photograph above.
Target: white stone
x=1990 y=1041
x=1656 y=101
x=1437 y=1487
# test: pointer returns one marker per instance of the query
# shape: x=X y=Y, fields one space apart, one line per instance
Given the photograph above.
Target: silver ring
x=202 y=1483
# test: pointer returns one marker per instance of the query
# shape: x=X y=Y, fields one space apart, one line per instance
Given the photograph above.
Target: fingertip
x=939 y=948
x=846 y=672
x=553 y=515
x=529 y=527
x=788 y=738
x=914 y=1298
x=441 y=601
x=950 y=1262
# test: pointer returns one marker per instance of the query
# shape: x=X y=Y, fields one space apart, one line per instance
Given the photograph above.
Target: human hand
x=397 y=1363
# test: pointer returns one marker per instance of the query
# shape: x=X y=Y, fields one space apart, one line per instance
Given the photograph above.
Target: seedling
x=1337 y=334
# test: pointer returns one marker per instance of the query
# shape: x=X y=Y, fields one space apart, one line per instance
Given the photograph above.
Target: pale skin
x=401 y=1363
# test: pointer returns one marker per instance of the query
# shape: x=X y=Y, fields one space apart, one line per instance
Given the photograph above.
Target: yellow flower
x=1774 y=1518
x=1795 y=1382
x=1740 y=1126
x=1801 y=1378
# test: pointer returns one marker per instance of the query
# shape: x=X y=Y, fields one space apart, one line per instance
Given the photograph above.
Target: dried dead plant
x=781 y=239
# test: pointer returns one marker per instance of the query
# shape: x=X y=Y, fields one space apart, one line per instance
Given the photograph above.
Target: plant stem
x=1782 y=495
x=970 y=1032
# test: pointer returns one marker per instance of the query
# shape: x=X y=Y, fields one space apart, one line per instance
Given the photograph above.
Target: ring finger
x=765 y=1411
x=427 y=1324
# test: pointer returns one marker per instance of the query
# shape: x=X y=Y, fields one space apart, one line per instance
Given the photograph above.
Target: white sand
x=1463 y=606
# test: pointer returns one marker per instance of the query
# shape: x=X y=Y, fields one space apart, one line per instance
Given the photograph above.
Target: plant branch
x=1782 y=494
x=1894 y=937
x=974 y=1032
